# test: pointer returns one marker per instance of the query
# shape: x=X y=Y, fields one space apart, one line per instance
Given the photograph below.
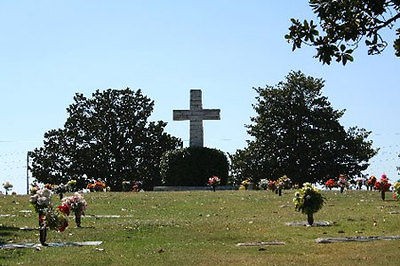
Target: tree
x=107 y=136
x=297 y=133
x=345 y=23
x=7 y=186
x=193 y=166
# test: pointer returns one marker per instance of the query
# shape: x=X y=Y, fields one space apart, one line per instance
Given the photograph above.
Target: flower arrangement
x=330 y=183
x=213 y=182
x=244 y=185
x=33 y=189
x=57 y=219
x=383 y=185
x=308 y=200
x=71 y=185
x=7 y=186
x=263 y=183
x=396 y=191
x=64 y=208
x=371 y=182
x=49 y=217
x=75 y=203
x=40 y=200
x=284 y=182
x=96 y=186
x=342 y=183
x=359 y=182
x=137 y=186
x=272 y=185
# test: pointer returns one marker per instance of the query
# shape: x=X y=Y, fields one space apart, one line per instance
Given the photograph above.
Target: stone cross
x=196 y=115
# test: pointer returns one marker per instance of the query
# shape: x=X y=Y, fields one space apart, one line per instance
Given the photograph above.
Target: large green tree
x=297 y=133
x=343 y=24
x=107 y=136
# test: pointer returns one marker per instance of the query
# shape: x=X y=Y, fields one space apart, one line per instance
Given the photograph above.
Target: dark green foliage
x=107 y=136
x=193 y=166
x=297 y=133
x=344 y=24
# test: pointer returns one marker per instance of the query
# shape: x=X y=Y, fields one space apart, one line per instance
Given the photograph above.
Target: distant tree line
x=108 y=136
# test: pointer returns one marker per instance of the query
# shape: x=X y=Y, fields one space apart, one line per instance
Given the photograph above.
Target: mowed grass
x=203 y=228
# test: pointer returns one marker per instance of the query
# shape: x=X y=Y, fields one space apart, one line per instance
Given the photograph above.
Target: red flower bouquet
x=214 y=181
x=331 y=183
x=383 y=185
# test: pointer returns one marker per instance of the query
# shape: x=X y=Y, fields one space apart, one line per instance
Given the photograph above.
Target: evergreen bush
x=193 y=166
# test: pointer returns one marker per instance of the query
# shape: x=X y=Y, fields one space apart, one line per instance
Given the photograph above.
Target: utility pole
x=28 y=154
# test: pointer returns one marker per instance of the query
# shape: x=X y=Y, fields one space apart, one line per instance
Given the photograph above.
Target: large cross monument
x=196 y=115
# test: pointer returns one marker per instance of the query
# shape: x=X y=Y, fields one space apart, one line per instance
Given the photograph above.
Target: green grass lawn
x=203 y=228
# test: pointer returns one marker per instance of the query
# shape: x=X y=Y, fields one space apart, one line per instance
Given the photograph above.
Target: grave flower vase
x=43 y=235
x=383 y=194
x=310 y=218
x=42 y=229
x=78 y=217
x=280 y=192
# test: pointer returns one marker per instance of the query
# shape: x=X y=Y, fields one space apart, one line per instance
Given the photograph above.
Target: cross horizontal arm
x=210 y=114
x=205 y=114
x=181 y=115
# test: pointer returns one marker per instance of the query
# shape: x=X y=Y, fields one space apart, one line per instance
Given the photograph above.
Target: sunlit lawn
x=203 y=228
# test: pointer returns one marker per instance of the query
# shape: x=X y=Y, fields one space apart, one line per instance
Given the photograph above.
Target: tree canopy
x=108 y=137
x=297 y=133
x=343 y=25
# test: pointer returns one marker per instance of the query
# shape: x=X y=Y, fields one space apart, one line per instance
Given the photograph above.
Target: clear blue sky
x=50 y=50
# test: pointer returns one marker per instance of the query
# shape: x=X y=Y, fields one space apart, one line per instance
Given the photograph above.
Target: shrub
x=193 y=166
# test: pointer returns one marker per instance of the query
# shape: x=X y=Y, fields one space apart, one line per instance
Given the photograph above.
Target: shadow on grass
x=5 y=232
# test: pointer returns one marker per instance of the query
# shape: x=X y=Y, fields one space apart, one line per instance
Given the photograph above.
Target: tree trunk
x=310 y=218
